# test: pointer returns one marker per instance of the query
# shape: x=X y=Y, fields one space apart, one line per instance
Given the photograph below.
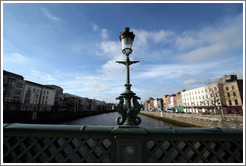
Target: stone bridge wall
x=199 y=120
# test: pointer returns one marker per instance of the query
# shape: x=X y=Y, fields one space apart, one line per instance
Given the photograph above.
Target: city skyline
x=76 y=46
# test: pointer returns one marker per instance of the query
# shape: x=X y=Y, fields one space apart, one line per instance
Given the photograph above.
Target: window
x=215 y=88
x=228 y=94
x=17 y=92
x=9 y=91
x=206 y=96
x=230 y=102
x=206 y=90
x=227 y=88
x=234 y=94
x=232 y=87
x=11 y=82
x=18 y=84
x=236 y=102
x=16 y=98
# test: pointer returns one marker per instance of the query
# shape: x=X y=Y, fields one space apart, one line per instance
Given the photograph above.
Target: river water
x=108 y=119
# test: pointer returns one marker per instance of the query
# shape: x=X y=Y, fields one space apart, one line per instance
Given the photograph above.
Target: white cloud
x=203 y=54
x=161 y=35
x=42 y=77
x=211 y=42
x=109 y=49
x=104 y=33
x=15 y=59
x=94 y=27
x=51 y=17
x=193 y=82
x=186 y=42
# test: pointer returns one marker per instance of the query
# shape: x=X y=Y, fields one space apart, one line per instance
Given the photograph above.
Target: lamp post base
x=128 y=115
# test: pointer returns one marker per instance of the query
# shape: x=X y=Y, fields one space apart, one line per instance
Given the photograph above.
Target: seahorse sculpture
x=136 y=109
x=119 y=108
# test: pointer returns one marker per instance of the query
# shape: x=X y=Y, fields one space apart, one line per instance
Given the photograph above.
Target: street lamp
x=128 y=115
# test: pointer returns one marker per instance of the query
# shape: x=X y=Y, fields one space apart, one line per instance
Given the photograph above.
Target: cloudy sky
x=75 y=45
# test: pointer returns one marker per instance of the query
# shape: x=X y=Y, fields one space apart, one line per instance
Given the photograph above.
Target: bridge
x=35 y=143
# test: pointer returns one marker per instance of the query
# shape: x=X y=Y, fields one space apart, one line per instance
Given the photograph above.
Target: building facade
x=59 y=104
x=173 y=101
x=77 y=104
x=13 y=91
x=207 y=98
x=38 y=97
x=158 y=104
x=166 y=100
x=233 y=93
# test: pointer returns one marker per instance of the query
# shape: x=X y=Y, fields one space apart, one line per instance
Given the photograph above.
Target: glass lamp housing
x=127 y=39
x=127 y=45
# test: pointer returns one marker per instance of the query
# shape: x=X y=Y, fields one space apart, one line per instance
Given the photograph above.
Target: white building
x=38 y=97
x=206 y=98
x=172 y=101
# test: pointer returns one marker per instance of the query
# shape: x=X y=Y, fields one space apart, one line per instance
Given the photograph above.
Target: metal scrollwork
x=119 y=108
x=135 y=120
x=136 y=109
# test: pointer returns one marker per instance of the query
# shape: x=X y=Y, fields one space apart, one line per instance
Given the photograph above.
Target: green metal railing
x=29 y=143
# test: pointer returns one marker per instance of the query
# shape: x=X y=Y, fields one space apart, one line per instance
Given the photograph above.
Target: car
x=169 y=110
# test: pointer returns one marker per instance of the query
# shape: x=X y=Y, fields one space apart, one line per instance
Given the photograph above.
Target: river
x=108 y=119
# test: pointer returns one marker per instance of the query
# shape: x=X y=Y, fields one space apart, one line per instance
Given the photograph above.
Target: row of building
x=24 y=95
x=222 y=97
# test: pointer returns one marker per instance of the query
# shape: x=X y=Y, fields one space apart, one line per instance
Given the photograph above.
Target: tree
x=213 y=94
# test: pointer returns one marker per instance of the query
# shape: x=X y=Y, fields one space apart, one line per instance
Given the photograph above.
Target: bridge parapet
x=34 y=143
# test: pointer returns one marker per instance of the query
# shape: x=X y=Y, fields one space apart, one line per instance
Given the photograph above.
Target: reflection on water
x=108 y=119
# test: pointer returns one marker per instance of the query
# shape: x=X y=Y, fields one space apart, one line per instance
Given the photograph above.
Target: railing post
x=130 y=144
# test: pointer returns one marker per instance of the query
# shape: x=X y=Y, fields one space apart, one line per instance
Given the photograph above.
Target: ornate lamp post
x=128 y=114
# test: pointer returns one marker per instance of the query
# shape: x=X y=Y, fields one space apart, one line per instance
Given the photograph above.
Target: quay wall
x=199 y=120
x=46 y=117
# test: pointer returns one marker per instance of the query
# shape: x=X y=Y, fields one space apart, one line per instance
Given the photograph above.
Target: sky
x=76 y=45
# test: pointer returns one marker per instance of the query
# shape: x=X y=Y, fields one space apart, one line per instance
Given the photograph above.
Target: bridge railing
x=33 y=143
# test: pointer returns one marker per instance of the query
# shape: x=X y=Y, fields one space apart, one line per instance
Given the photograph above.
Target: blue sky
x=75 y=45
